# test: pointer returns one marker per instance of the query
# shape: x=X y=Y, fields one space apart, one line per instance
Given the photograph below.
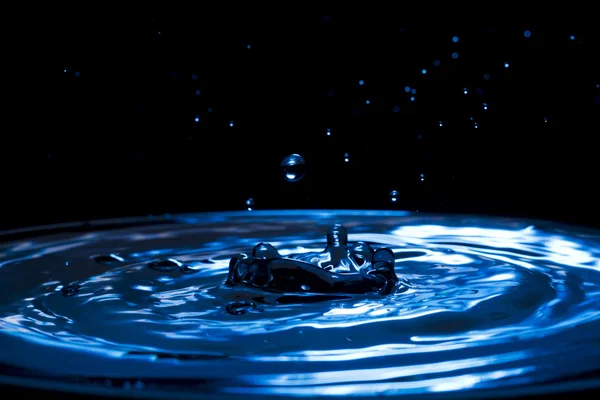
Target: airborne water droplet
x=306 y=288
x=165 y=265
x=346 y=157
x=394 y=196
x=240 y=307
x=294 y=167
x=250 y=204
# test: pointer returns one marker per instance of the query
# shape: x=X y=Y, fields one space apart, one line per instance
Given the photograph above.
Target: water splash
x=481 y=304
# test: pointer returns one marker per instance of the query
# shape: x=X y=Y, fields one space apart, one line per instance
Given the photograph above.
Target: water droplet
x=394 y=196
x=486 y=77
x=455 y=39
x=346 y=157
x=250 y=204
x=527 y=34
x=294 y=167
x=506 y=65
x=337 y=236
x=465 y=91
x=240 y=307
x=383 y=254
x=455 y=55
x=545 y=119
x=361 y=82
x=441 y=124
x=265 y=251
x=328 y=132
x=485 y=106
x=436 y=63
x=110 y=259
x=230 y=123
x=361 y=253
x=422 y=178
x=165 y=265
x=306 y=288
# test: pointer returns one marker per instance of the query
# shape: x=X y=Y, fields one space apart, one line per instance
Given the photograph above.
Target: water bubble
x=527 y=34
x=361 y=82
x=77 y=73
x=506 y=64
x=194 y=77
x=455 y=39
x=394 y=196
x=424 y=71
x=572 y=37
x=197 y=118
x=413 y=91
x=265 y=251
x=455 y=55
x=197 y=92
x=486 y=77
x=368 y=101
x=165 y=265
x=240 y=307
x=396 y=109
x=346 y=157
x=407 y=89
x=436 y=63
x=306 y=288
x=110 y=259
x=248 y=46
x=412 y=98
x=294 y=167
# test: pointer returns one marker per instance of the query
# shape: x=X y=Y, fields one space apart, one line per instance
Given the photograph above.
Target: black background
x=104 y=120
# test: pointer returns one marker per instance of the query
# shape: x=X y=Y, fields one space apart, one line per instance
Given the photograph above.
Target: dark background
x=104 y=124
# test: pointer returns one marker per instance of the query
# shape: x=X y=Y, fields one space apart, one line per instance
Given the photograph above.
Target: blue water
x=140 y=307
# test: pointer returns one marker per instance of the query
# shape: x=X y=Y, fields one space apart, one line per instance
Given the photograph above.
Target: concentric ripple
x=140 y=305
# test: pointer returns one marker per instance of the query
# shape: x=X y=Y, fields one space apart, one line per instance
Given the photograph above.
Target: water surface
x=139 y=306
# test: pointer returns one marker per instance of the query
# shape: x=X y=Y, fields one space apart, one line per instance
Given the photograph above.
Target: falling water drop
x=394 y=196
x=250 y=204
x=485 y=106
x=306 y=288
x=422 y=177
x=293 y=167
x=346 y=157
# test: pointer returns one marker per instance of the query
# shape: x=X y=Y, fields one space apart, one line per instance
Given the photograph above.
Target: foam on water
x=142 y=305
